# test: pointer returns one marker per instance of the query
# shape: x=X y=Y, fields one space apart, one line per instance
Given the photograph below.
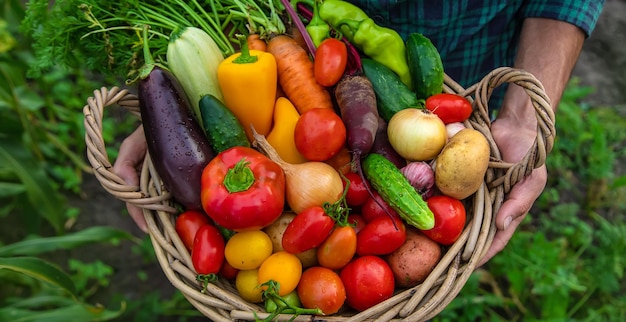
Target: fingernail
x=507 y=222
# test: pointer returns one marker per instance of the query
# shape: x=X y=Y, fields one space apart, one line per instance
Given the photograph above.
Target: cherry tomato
x=449 y=107
x=357 y=191
x=247 y=284
x=248 y=249
x=368 y=281
x=372 y=209
x=357 y=221
x=228 y=271
x=331 y=58
x=188 y=223
x=338 y=249
x=449 y=219
x=319 y=134
x=322 y=288
x=207 y=254
x=380 y=236
x=307 y=230
x=281 y=267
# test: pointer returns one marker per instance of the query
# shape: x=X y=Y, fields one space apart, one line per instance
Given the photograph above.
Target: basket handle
x=481 y=121
x=97 y=154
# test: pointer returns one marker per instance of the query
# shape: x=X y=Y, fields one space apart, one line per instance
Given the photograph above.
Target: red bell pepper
x=242 y=189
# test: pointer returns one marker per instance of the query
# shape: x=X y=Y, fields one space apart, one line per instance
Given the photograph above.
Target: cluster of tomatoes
x=325 y=257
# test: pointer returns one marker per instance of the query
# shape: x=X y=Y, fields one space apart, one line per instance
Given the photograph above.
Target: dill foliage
x=105 y=36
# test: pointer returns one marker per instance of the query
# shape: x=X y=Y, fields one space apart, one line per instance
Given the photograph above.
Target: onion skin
x=421 y=176
x=308 y=184
x=416 y=134
x=454 y=128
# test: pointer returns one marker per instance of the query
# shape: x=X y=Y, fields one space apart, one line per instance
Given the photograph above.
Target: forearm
x=548 y=49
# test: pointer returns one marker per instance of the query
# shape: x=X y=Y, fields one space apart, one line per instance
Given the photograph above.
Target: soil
x=602 y=65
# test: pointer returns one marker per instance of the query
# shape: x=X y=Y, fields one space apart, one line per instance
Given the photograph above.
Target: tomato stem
x=283 y=306
x=205 y=279
x=339 y=210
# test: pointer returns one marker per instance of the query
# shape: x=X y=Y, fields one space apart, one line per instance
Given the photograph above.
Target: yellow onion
x=311 y=183
x=416 y=134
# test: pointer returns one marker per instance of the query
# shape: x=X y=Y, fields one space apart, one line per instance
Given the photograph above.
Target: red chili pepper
x=243 y=189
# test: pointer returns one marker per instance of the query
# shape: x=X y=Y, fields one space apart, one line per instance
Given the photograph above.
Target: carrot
x=255 y=42
x=295 y=75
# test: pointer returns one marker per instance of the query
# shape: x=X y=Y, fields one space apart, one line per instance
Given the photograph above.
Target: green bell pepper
x=381 y=44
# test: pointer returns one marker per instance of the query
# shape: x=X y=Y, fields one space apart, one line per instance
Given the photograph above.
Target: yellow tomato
x=247 y=283
x=281 y=267
x=248 y=249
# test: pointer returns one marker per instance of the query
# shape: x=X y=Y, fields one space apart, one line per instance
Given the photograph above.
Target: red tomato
x=380 y=236
x=188 y=223
x=207 y=255
x=338 y=249
x=357 y=191
x=321 y=287
x=372 y=209
x=319 y=134
x=368 y=281
x=331 y=58
x=449 y=107
x=357 y=221
x=449 y=219
x=307 y=230
x=227 y=271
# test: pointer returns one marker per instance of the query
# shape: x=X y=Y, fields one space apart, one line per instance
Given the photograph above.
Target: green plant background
x=565 y=264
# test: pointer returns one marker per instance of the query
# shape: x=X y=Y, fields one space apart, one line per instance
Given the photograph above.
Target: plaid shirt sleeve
x=474 y=37
x=581 y=13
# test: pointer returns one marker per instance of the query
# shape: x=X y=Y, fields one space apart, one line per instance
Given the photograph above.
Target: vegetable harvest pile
x=314 y=157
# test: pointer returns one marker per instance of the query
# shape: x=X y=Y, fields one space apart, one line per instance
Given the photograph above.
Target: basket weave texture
x=220 y=301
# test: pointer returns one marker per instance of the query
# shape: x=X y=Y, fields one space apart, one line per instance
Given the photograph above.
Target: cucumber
x=425 y=66
x=222 y=128
x=396 y=190
x=392 y=95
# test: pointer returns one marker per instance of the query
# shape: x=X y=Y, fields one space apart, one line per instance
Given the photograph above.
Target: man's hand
x=131 y=155
x=549 y=50
x=514 y=144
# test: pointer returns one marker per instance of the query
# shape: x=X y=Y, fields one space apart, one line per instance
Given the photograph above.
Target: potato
x=414 y=260
x=276 y=231
x=461 y=166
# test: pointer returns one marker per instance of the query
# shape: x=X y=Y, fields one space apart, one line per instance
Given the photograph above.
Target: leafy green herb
x=105 y=37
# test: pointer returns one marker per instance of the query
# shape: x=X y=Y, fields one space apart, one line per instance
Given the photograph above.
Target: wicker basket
x=220 y=302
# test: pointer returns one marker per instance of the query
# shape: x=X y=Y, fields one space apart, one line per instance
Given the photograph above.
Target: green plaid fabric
x=476 y=36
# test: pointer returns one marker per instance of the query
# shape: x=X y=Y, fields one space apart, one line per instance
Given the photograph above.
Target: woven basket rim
x=220 y=301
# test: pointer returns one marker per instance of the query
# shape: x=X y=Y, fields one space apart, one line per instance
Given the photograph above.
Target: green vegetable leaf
x=29 y=310
x=39 y=190
x=41 y=245
x=41 y=270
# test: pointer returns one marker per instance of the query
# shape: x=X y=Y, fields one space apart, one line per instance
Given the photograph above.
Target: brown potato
x=276 y=231
x=461 y=166
x=414 y=260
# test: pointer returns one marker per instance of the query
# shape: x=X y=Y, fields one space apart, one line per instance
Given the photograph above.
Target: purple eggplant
x=176 y=142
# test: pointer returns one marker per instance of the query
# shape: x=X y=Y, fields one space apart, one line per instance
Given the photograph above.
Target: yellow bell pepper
x=248 y=81
x=281 y=137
